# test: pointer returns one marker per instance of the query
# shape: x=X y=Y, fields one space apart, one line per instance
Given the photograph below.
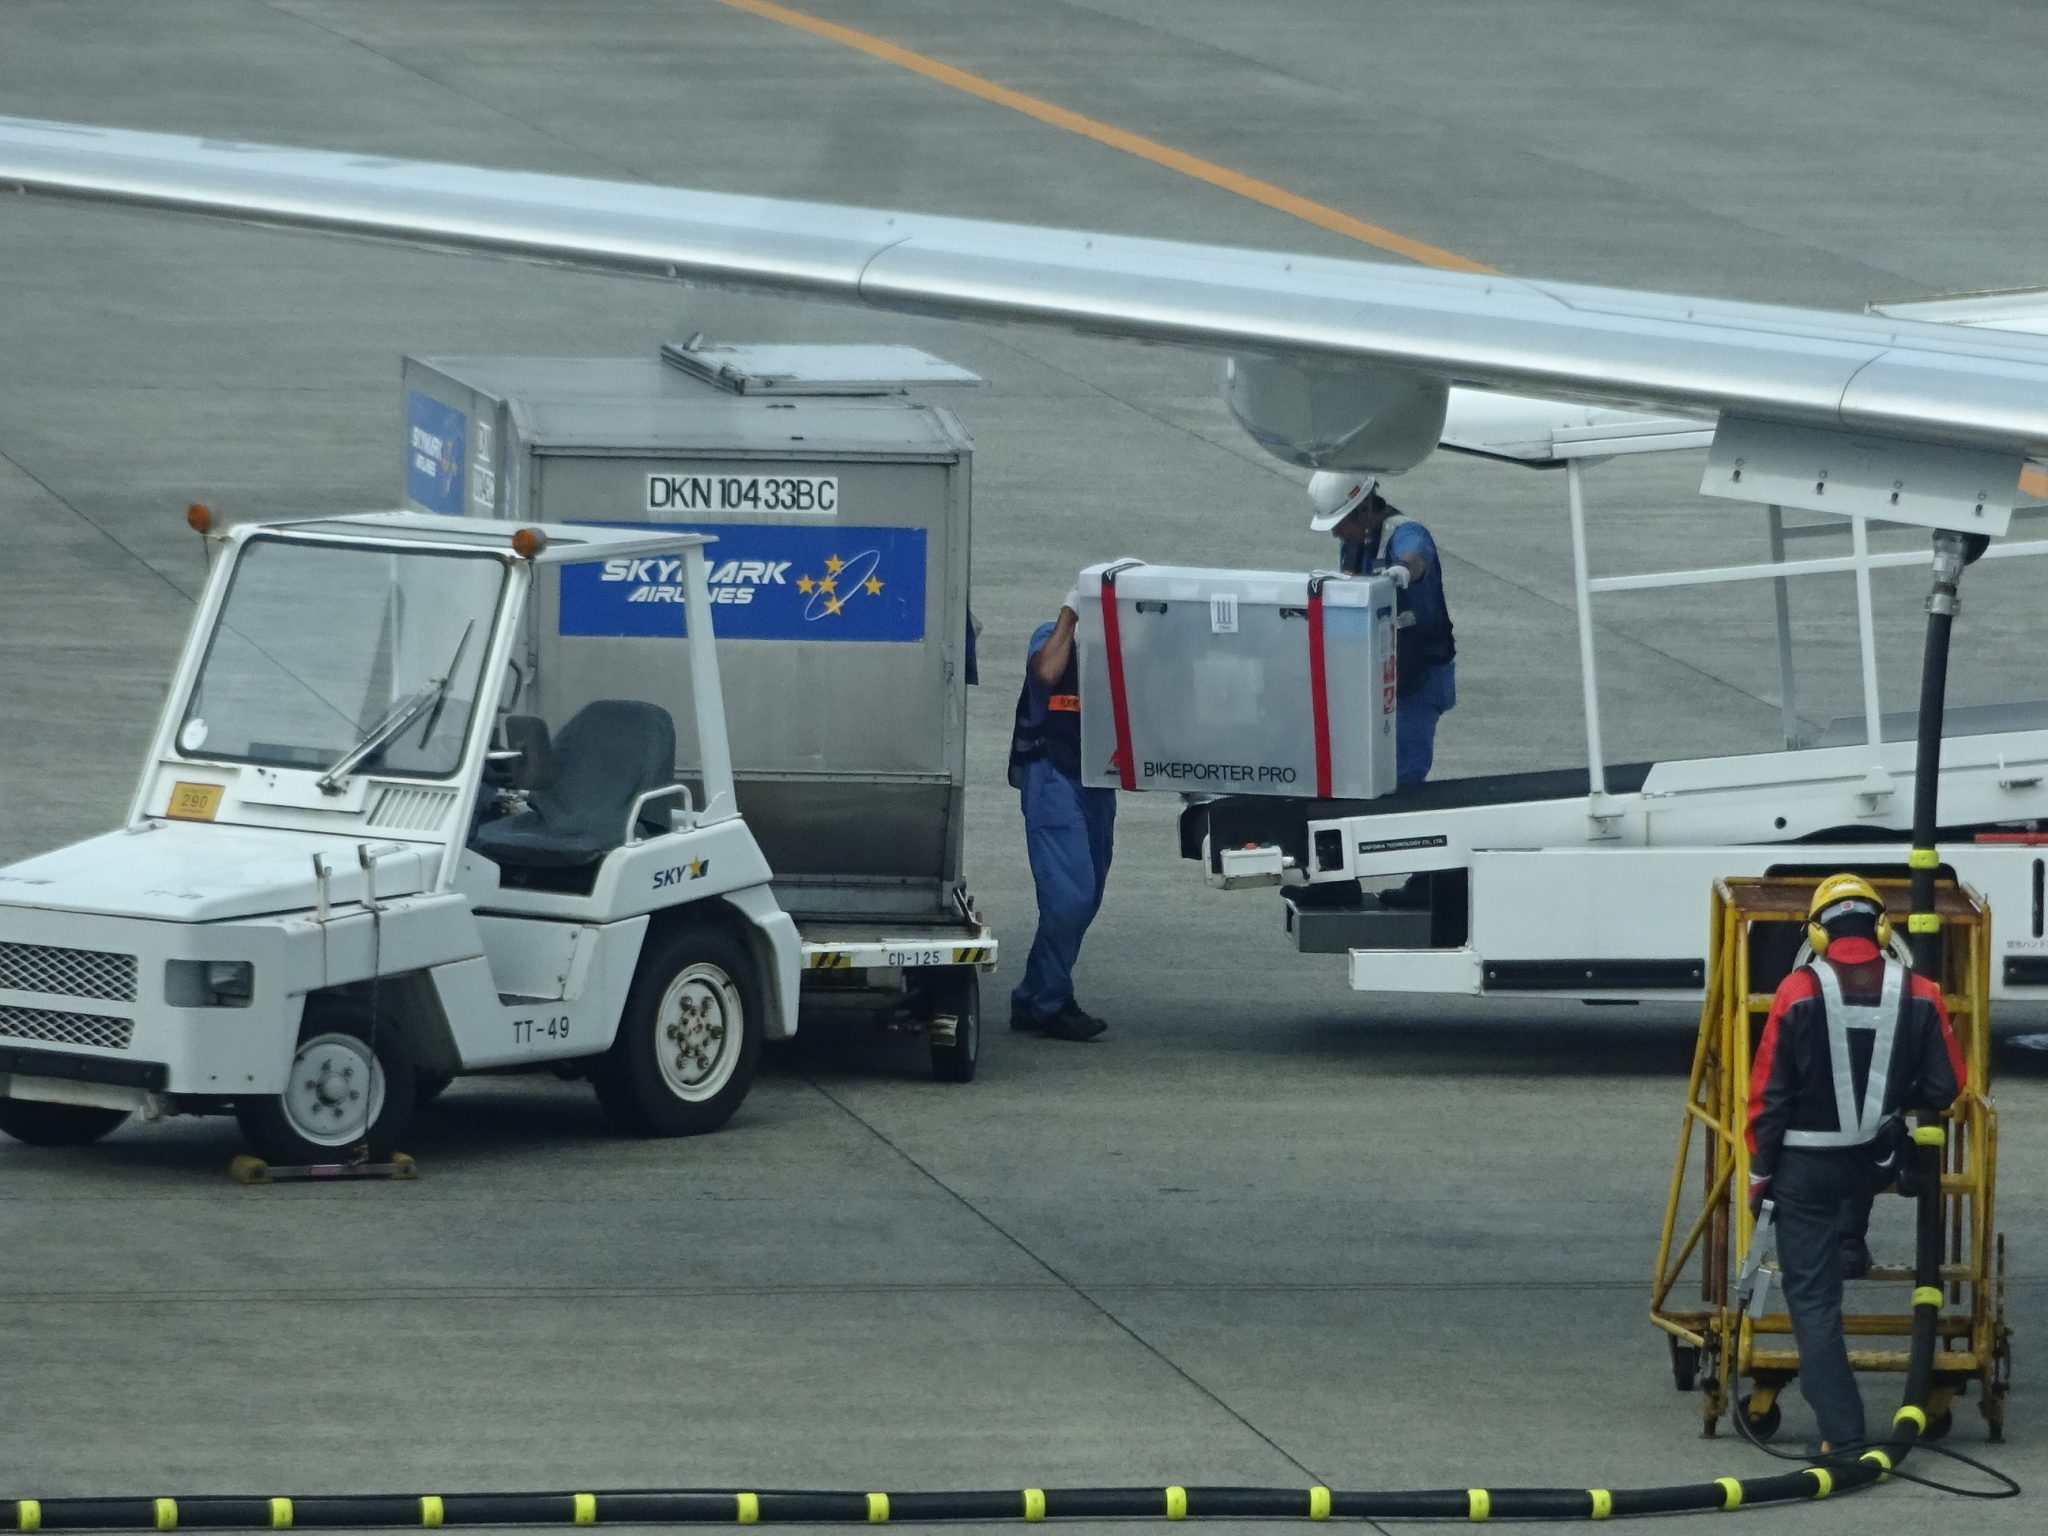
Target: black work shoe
x=1070 y=1023
x=1411 y=895
x=1024 y=1021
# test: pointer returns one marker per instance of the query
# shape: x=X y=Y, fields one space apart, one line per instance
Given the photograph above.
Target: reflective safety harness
x=1858 y=1122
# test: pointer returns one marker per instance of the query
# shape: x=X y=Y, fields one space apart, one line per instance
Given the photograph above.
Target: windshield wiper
x=400 y=715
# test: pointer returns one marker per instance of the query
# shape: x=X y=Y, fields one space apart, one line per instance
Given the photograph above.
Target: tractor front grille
x=67 y=972
x=56 y=1028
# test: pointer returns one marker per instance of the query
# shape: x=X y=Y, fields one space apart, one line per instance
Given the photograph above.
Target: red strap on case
x=1318 y=688
x=1119 y=706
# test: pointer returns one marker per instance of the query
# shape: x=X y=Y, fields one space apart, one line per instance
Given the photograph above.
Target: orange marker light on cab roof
x=528 y=542
x=199 y=517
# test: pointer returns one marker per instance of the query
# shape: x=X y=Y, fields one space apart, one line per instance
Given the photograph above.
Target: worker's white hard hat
x=1334 y=496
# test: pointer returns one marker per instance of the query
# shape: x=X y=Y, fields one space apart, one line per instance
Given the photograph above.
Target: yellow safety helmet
x=1837 y=896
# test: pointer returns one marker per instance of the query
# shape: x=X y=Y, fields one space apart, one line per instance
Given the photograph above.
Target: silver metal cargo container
x=842 y=512
x=1225 y=682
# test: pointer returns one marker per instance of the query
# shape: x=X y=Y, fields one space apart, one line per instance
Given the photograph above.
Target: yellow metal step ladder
x=1757 y=938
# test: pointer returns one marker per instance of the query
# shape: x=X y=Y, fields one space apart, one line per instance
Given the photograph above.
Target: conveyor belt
x=1231 y=821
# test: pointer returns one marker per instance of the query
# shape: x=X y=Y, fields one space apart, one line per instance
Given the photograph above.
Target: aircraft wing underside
x=1877 y=375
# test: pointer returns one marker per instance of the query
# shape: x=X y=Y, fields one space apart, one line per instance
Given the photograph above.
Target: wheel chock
x=253 y=1170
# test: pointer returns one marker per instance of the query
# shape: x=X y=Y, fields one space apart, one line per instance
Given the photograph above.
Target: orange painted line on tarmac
x=1264 y=193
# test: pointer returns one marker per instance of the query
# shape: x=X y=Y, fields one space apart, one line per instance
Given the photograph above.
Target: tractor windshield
x=320 y=648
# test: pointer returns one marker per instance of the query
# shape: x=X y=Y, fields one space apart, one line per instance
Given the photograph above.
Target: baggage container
x=1237 y=682
x=839 y=579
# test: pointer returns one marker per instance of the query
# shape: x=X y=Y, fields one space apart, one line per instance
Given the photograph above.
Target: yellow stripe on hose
x=1731 y=1492
x=430 y=1509
x=1909 y=1414
x=1883 y=1461
x=167 y=1514
x=878 y=1509
x=1319 y=1503
x=749 y=1508
x=1176 y=1503
x=586 y=1509
x=1926 y=1295
x=280 y=1514
x=1823 y=1481
x=1923 y=858
x=28 y=1514
x=1923 y=922
x=1034 y=1503
x=1478 y=1504
x=1929 y=1135
x=1603 y=1503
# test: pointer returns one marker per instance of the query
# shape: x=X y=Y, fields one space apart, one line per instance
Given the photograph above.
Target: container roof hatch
x=778 y=369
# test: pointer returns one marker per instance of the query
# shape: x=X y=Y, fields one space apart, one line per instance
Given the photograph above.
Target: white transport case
x=1236 y=682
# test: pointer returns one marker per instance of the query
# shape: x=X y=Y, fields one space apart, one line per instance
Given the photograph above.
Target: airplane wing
x=2005 y=309
x=1345 y=364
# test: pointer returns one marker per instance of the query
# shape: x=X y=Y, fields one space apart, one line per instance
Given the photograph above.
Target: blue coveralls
x=1428 y=684
x=1067 y=829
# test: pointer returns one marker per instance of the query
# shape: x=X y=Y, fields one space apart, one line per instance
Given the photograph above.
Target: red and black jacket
x=1792 y=1081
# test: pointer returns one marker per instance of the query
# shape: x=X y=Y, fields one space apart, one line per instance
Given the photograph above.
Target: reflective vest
x=1423 y=636
x=1053 y=732
x=1858 y=1120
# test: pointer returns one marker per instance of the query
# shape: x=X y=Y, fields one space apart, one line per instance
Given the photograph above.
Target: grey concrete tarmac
x=1265 y=1231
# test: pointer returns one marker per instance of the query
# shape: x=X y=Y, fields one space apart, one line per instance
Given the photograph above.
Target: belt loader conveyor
x=1589 y=882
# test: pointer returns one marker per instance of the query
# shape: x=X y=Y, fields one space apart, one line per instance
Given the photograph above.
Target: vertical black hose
x=1923 y=928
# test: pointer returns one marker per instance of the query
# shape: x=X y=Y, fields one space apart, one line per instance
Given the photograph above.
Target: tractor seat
x=610 y=753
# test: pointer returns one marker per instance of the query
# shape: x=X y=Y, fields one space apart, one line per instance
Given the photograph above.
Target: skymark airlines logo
x=773 y=582
x=843 y=582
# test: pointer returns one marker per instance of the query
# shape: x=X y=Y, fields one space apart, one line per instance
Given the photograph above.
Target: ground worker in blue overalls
x=1068 y=829
x=1380 y=540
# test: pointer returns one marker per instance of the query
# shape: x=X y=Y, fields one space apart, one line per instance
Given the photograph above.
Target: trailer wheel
x=1761 y=1425
x=954 y=991
x=689 y=1039
x=344 y=1090
x=57 y=1125
x=1685 y=1365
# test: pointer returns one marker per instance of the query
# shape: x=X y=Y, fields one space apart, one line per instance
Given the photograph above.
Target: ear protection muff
x=1837 y=896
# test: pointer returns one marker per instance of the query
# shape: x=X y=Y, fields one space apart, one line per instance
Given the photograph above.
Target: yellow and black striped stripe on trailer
x=880 y=957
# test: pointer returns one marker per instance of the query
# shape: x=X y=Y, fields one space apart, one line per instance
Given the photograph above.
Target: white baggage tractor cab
x=353 y=870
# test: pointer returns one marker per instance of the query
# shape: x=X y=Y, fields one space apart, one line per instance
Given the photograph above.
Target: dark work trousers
x=1823 y=1198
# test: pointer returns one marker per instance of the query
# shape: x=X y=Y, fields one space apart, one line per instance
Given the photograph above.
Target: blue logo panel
x=436 y=442
x=767 y=583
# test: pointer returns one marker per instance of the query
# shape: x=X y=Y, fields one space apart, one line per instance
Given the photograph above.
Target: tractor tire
x=344 y=1091
x=689 y=1039
x=57 y=1125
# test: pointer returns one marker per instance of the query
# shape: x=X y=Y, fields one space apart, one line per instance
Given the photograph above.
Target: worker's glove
x=1400 y=576
x=1759 y=1192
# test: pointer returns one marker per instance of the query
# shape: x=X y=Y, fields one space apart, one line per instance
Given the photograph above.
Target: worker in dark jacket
x=1854 y=1040
x=1068 y=831
x=1378 y=539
